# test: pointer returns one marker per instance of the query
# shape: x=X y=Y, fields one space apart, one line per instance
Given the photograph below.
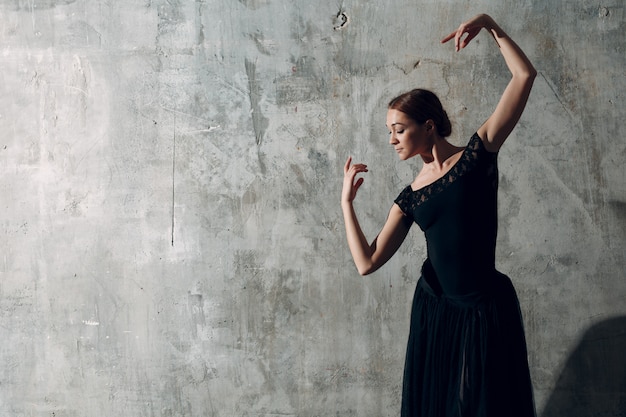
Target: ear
x=430 y=125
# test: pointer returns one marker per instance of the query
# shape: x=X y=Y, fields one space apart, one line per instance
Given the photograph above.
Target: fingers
x=353 y=169
x=456 y=35
x=346 y=167
x=471 y=34
x=459 y=42
x=447 y=38
x=351 y=172
x=358 y=183
x=350 y=186
x=357 y=168
x=471 y=28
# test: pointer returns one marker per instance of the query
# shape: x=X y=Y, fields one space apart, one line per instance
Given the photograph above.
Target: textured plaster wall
x=172 y=243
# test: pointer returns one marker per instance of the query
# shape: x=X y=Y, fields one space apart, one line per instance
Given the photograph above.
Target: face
x=408 y=137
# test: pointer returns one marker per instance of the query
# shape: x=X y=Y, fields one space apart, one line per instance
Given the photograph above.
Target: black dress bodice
x=458 y=214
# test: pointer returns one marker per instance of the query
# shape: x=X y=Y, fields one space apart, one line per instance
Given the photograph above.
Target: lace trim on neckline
x=464 y=164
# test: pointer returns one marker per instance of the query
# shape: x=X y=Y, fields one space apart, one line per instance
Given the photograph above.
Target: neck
x=439 y=152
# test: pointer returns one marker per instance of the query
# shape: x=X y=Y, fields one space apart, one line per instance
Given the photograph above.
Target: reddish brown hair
x=422 y=105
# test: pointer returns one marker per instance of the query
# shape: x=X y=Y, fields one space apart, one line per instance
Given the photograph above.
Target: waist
x=477 y=289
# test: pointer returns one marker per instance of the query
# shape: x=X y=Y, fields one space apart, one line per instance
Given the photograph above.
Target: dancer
x=466 y=353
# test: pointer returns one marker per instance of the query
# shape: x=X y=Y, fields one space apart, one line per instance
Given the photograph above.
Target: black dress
x=466 y=354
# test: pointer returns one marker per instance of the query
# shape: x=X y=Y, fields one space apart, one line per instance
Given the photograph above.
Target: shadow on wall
x=593 y=382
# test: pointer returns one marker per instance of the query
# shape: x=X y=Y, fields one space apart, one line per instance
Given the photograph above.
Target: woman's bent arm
x=513 y=101
x=369 y=257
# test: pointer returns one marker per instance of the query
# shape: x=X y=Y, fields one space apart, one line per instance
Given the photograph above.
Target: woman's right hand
x=350 y=187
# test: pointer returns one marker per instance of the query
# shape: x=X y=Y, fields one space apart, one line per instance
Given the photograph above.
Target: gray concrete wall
x=171 y=170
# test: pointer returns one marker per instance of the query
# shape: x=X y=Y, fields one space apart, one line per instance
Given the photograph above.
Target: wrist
x=492 y=27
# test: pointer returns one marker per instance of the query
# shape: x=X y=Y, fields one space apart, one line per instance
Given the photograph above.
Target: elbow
x=529 y=73
x=529 y=79
x=525 y=72
x=366 y=269
x=363 y=272
x=524 y=79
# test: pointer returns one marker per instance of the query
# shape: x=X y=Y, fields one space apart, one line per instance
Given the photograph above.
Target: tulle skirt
x=466 y=356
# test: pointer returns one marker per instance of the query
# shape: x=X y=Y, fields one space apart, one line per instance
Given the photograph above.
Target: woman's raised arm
x=513 y=101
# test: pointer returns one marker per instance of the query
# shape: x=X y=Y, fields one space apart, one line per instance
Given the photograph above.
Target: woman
x=466 y=354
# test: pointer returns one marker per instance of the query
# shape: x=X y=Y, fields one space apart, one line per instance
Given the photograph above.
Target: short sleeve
x=404 y=201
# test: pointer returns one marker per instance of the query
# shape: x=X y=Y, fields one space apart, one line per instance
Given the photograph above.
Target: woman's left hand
x=472 y=27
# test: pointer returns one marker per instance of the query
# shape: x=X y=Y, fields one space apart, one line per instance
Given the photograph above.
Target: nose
x=392 y=138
